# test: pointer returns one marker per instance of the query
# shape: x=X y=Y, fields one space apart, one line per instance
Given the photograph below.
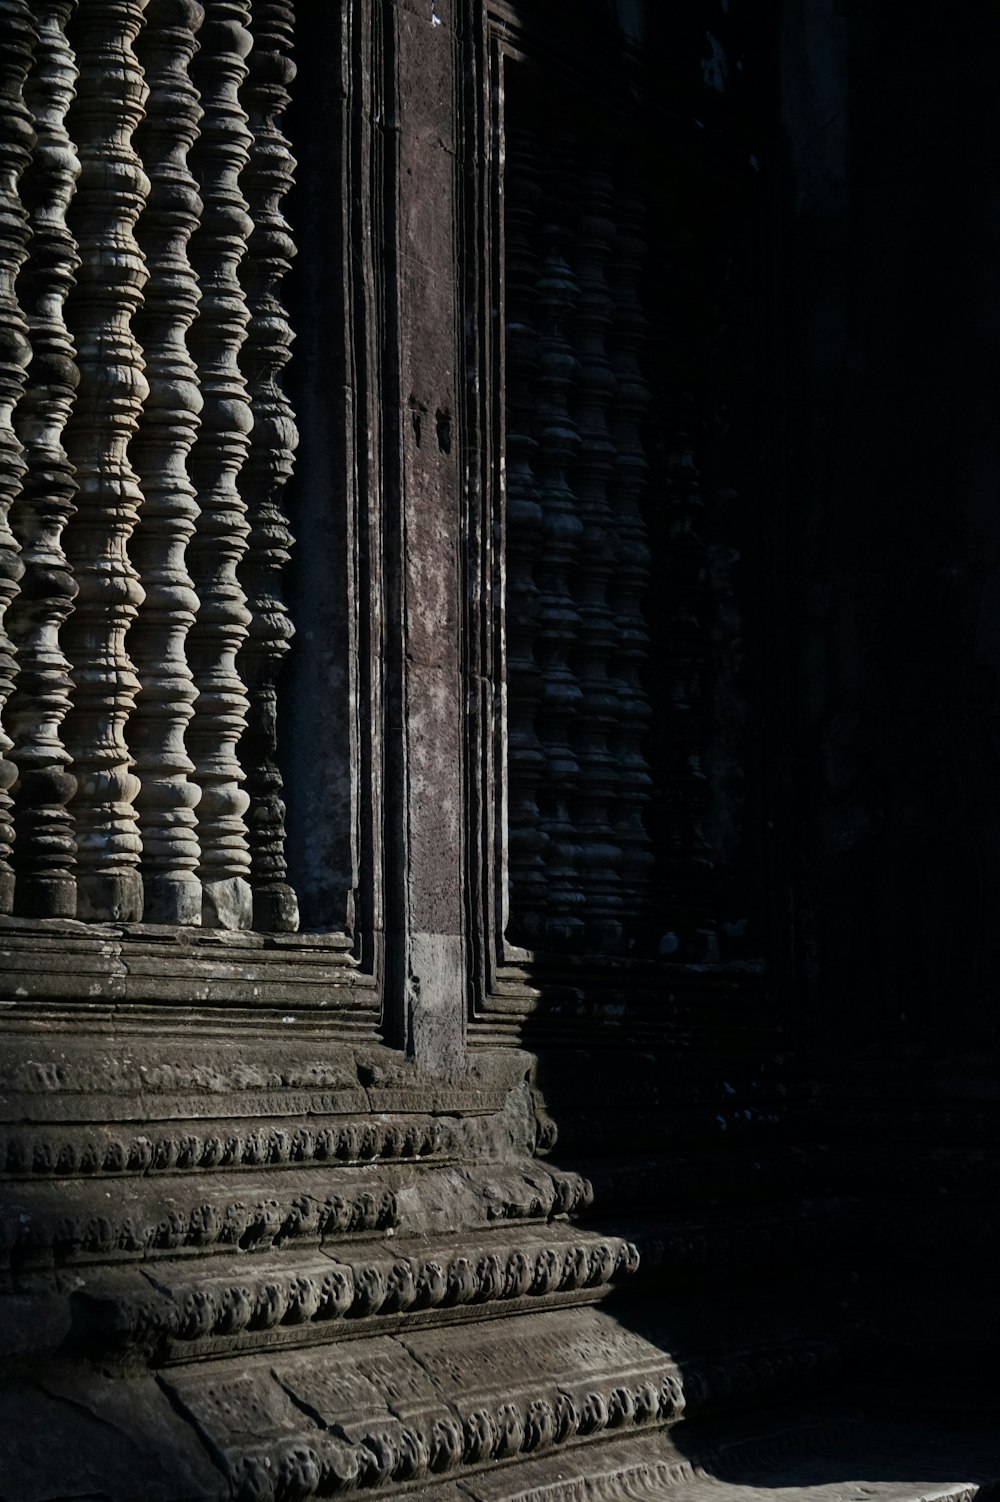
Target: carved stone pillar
x=558 y=617
x=219 y=544
x=629 y=583
x=18 y=34
x=167 y=796
x=578 y=571
x=272 y=447
x=44 y=855
x=426 y=703
x=599 y=856
x=690 y=856
x=108 y=292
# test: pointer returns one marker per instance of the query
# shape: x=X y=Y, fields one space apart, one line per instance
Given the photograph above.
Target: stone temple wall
x=494 y=749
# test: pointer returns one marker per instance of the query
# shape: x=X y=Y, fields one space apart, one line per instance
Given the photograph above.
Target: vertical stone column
x=112 y=190
x=17 y=33
x=629 y=583
x=690 y=857
x=426 y=706
x=219 y=544
x=269 y=465
x=562 y=530
x=576 y=546
x=45 y=851
x=599 y=855
x=167 y=795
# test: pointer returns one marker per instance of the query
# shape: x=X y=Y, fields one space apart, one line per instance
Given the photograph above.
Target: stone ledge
x=265 y=1302
x=799 y=1458
x=80 y=1220
x=395 y=1412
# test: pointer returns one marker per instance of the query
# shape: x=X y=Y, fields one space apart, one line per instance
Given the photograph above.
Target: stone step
x=387 y=1412
x=118 y=1150
x=233 y=1302
x=73 y=1220
x=298 y=1291
x=212 y=1437
x=797 y=1458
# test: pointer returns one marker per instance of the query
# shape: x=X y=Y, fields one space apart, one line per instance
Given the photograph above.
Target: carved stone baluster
x=44 y=850
x=630 y=581
x=599 y=856
x=683 y=624
x=112 y=189
x=220 y=541
x=17 y=38
x=527 y=841
x=269 y=466
x=690 y=861
x=167 y=429
x=558 y=618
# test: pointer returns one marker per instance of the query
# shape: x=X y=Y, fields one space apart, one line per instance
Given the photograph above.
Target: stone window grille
x=145 y=444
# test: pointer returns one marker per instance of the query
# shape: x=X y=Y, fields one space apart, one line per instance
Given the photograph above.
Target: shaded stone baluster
x=269 y=465
x=558 y=618
x=691 y=860
x=630 y=581
x=220 y=540
x=527 y=840
x=167 y=796
x=111 y=191
x=44 y=850
x=17 y=38
x=599 y=856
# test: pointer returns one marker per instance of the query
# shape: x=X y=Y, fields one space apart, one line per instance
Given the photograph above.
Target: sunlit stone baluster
x=269 y=465
x=527 y=841
x=167 y=796
x=17 y=38
x=598 y=855
x=220 y=540
x=558 y=618
x=630 y=582
x=112 y=189
x=44 y=850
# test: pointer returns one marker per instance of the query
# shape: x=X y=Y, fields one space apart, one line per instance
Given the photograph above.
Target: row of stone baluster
x=578 y=557
x=144 y=445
